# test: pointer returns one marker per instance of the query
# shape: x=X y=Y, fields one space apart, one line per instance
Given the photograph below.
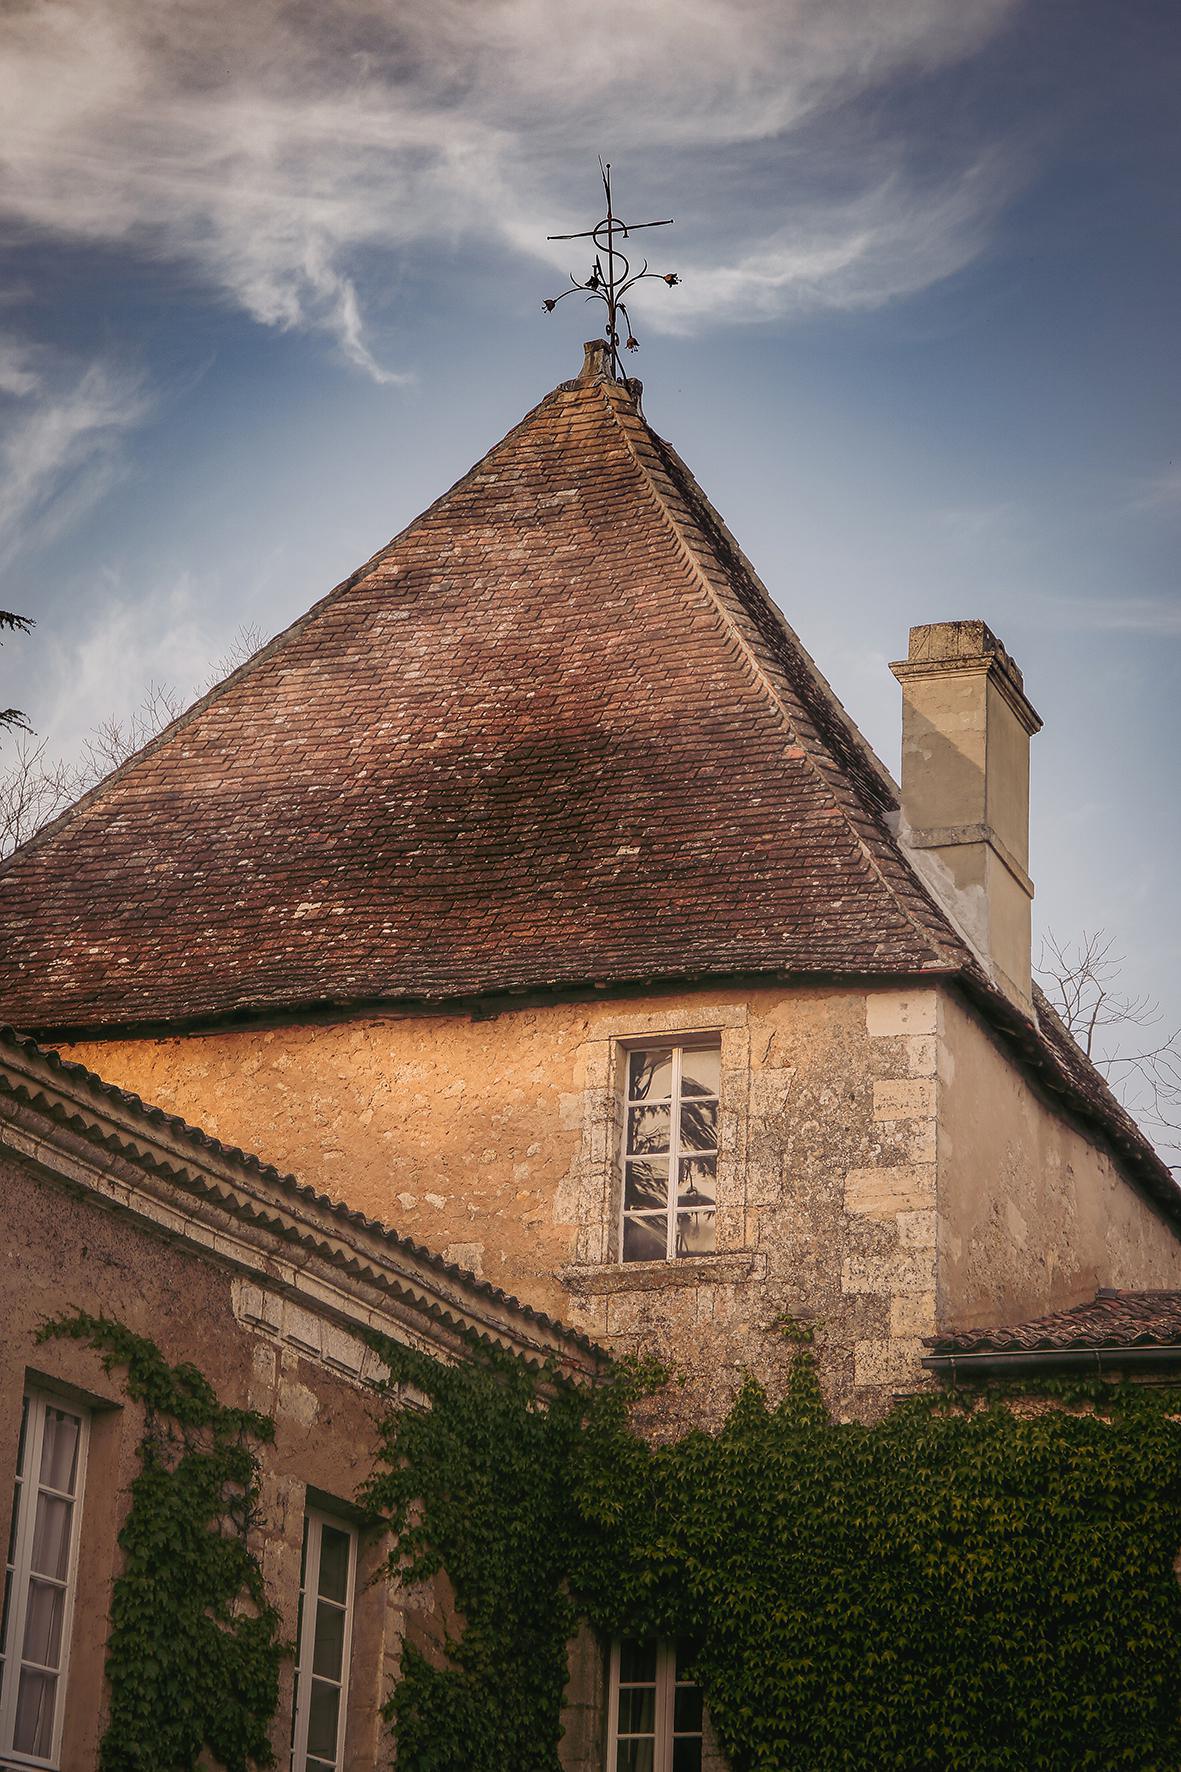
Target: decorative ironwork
x=612 y=275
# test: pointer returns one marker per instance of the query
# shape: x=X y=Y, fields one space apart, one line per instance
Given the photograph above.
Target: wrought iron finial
x=611 y=274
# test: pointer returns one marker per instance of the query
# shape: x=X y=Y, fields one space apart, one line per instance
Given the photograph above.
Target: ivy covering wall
x=975 y=1584
x=972 y=1585
x=195 y=1649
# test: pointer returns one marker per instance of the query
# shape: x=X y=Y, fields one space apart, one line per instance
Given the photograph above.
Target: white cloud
x=61 y=446
x=1151 y=616
x=1162 y=493
x=276 y=149
x=116 y=647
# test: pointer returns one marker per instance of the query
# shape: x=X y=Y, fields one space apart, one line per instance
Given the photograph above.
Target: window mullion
x=22 y=1553
x=311 y=1582
x=674 y=1156
x=666 y=1675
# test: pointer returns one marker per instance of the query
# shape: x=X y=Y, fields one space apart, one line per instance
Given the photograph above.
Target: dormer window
x=670 y=1150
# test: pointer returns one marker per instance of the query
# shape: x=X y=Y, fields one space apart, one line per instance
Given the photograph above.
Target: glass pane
x=59 y=1450
x=645 y=1186
x=634 y=1756
x=32 y=1731
x=43 y=1623
x=647 y=1130
x=323 y=1717
x=328 y=1649
x=637 y=1710
x=334 y=1563
x=699 y=1125
x=319 y=1765
x=687 y=1756
x=701 y=1071
x=637 y=1662
x=687 y=1712
x=51 y=1536
x=695 y=1233
x=697 y=1185
x=650 y=1075
x=645 y=1239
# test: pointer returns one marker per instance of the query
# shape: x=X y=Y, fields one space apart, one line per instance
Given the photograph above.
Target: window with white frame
x=655 y=1713
x=327 y=1581
x=670 y=1150
x=39 y=1580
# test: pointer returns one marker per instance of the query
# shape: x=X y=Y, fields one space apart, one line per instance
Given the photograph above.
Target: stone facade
x=110 y=1209
x=884 y=1169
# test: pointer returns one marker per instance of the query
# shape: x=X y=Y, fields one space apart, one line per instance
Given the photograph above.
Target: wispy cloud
x=61 y=440
x=1162 y=492
x=283 y=152
x=1158 y=617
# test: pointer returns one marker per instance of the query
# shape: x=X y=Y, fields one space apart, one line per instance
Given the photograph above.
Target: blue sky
x=273 y=279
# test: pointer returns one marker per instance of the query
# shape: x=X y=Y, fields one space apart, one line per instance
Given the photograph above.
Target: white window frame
x=706 y=1042
x=664 y=1734
x=26 y=1488
x=315 y=1521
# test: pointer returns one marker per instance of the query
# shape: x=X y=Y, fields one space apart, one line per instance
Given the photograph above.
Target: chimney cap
x=940 y=647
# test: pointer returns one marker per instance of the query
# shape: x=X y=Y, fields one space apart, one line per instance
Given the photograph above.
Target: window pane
x=33 y=1727
x=695 y=1233
x=323 y=1718
x=697 y=1185
x=699 y=1125
x=650 y=1075
x=687 y=1756
x=334 y=1563
x=59 y=1450
x=687 y=1713
x=645 y=1239
x=647 y=1130
x=637 y=1662
x=637 y=1710
x=51 y=1536
x=328 y=1649
x=701 y=1071
x=43 y=1623
x=634 y=1756
x=645 y=1186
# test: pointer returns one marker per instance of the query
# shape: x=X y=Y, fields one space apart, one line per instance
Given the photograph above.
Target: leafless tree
x=34 y=787
x=245 y=643
x=36 y=784
x=112 y=742
x=1125 y=1036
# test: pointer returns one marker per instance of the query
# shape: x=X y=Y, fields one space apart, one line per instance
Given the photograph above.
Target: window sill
x=592 y=1279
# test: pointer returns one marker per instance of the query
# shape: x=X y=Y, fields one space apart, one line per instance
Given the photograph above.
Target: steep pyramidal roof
x=554 y=733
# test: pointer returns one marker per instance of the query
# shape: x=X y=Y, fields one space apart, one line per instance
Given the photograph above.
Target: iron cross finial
x=611 y=274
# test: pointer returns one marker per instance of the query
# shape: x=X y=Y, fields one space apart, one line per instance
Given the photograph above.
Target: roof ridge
x=834 y=778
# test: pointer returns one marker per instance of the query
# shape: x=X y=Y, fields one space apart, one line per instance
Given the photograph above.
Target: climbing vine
x=194 y=1648
x=975 y=1584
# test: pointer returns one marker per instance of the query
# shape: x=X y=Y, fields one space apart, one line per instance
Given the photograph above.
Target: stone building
x=534 y=894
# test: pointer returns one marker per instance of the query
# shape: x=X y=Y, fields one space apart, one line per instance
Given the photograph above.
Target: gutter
x=1097 y=1361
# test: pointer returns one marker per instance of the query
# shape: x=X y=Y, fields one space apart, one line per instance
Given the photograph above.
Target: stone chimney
x=966 y=727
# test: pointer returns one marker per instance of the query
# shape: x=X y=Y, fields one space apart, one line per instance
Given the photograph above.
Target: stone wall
x=1033 y=1214
x=63 y=1252
x=496 y=1140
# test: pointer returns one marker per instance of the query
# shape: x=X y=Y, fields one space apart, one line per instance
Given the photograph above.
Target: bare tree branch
x=1114 y=1029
